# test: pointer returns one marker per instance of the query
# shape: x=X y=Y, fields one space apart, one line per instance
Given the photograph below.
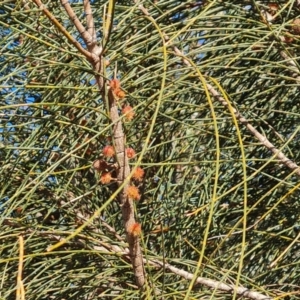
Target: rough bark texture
x=126 y=204
x=95 y=57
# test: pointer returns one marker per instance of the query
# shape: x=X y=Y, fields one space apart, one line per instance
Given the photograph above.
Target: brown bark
x=126 y=204
x=95 y=57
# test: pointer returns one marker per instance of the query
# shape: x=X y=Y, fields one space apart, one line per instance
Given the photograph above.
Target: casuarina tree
x=149 y=149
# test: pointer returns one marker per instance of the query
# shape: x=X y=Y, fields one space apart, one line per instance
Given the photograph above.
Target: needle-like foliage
x=213 y=89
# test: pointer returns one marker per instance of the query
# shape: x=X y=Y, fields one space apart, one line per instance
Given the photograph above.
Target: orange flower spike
x=108 y=151
x=105 y=178
x=138 y=174
x=115 y=84
x=128 y=112
x=120 y=94
x=130 y=153
x=133 y=193
x=135 y=229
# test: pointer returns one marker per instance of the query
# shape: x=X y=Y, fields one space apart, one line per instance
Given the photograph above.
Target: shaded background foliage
x=54 y=125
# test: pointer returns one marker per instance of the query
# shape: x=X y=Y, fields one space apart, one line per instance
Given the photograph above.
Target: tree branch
x=126 y=204
x=86 y=36
x=263 y=140
x=90 y=20
x=94 y=55
x=61 y=28
x=107 y=247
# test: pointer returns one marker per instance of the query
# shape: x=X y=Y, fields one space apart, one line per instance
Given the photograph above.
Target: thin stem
x=86 y=36
x=90 y=20
x=20 y=285
x=61 y=28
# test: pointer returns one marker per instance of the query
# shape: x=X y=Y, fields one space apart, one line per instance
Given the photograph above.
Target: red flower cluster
x=128 y=112
x=133 y=193
x=105 y=178
x=115 y=85
x=130 y=153
x=108 y=151
x=138 y=174
x=135 y=229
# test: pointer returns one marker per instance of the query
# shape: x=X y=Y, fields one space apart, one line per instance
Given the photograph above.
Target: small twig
x=25 y=4
x=94 y=54
x=112 y=230
x=126 y=204
x=90 y=20
x=290 y=60
x=285 y=251
x=95 y=51
x=20 y=285
x=86 y=36
x=263 y=140
x=213 y=284
x=61 y=28
x=107 y=26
